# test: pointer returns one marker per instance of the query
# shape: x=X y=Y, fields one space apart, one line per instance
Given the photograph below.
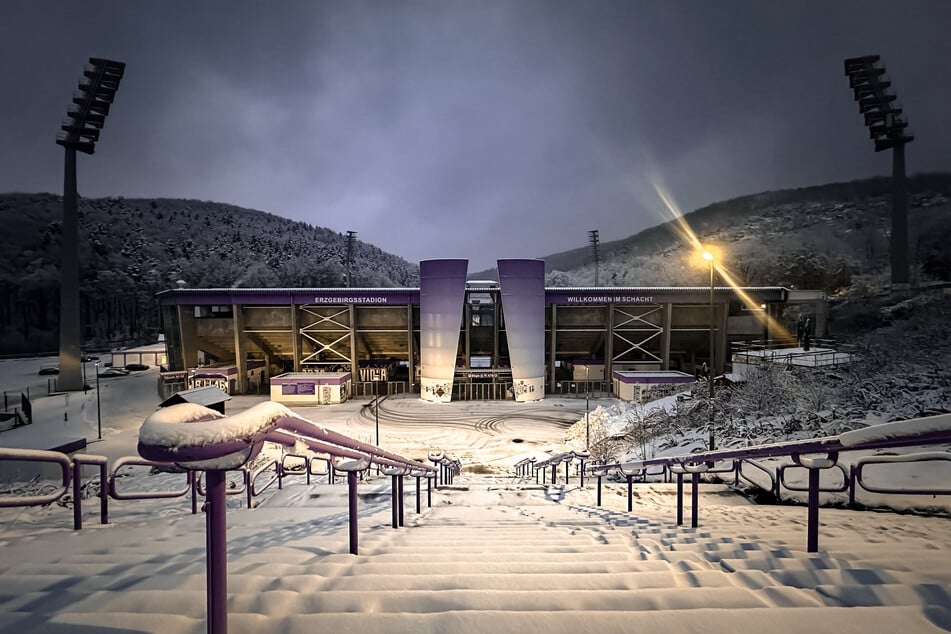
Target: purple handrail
x=910 y=433
x=36 y=455
x=103 y=463
x=201 y=439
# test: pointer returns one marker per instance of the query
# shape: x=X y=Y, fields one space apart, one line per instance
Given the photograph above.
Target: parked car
x=49 y=368
x=113 y=372
x=136 y=367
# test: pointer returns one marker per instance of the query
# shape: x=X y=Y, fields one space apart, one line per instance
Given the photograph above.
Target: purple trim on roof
x=286 y=297
x=410 y=296
x=595 y=296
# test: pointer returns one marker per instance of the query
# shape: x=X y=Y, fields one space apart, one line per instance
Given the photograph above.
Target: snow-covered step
x=859 y=620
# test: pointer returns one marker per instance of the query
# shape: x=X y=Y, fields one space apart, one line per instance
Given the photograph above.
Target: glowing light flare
x=703 y=253
x=772 y=324
x=680 y=227
x=707 y=255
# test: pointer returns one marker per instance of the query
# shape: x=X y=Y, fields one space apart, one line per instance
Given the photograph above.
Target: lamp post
x=376 y=408
x=587 y=426
x=98 y=402
x=708 y=256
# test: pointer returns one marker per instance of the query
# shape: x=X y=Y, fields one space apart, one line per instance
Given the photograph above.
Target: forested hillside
x=131 y=249
x=830 y=237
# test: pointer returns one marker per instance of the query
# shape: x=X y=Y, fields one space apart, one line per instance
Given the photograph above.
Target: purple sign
x=442 y=291
x=523 y=304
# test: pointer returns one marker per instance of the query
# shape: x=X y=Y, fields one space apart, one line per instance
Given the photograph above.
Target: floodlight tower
x=888 y=129
x=351 y=240
x=79 y=131
x=594 y=240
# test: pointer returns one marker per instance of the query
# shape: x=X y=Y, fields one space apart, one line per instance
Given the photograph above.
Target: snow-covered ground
x=492 y=554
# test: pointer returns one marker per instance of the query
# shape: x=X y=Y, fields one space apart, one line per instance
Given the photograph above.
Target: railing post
x=429 y=489
x=394 y=492
x=77 y=497
x=582 y=473
x=217 y=552
x=630 y=493
x=852 y=471
x=399 y=480
x=694 y=498
x=417 y=494
x=567 y=464
x=812 y=527
x=247 y=486
x=352 y=495
x=680 y=499
x=554 y=474
x=103 y=493
x=599 y=490
x=193 y=487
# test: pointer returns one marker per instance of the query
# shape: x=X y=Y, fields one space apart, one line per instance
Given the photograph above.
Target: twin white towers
x=442 y=289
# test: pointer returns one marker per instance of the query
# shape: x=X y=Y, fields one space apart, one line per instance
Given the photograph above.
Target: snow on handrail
x=196 y=437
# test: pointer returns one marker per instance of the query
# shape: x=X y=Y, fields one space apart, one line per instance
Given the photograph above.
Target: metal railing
x=214 y=487
x=813 y=455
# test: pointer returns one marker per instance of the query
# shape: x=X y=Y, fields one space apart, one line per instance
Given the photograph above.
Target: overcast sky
x=478 y=129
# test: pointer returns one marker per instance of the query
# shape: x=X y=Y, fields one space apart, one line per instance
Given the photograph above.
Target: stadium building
x=457 y=339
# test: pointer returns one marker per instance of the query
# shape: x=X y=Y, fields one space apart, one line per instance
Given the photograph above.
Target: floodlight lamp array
x=882 y=113
x=87 y=114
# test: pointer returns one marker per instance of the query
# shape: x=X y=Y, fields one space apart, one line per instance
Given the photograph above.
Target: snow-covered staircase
x=493 y=558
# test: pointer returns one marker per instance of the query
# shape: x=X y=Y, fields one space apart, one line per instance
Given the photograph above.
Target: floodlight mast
x=595 y=241
x=888 y=130
x=79 y=131
x=351 y=241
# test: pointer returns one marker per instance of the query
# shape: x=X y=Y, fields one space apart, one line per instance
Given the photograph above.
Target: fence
x=814 y=455
x=216 y=460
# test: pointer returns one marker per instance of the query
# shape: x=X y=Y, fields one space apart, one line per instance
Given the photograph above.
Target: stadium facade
x=457 y=339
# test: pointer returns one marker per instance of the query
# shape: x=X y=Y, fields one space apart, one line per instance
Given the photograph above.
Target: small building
x=209 y=396
x=311 y=388
x=649 y=385
x=225 y=376
x=152 y=354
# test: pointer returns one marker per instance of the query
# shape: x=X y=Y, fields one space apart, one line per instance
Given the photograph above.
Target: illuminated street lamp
x=708 y=255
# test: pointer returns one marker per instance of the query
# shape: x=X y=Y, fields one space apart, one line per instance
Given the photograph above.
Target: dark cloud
x=468 y=129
